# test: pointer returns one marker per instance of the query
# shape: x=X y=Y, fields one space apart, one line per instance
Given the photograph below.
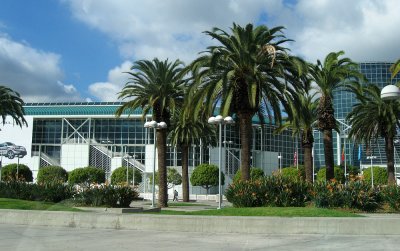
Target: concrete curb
x=207 y=224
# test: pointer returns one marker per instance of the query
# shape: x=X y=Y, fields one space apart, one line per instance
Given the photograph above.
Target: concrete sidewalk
x=103 y=218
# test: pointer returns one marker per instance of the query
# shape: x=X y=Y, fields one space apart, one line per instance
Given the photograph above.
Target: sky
x=79 y=50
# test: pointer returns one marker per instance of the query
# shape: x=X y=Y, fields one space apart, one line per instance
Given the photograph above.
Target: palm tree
x=395 y=68
x=11 y=104
x=329 y=76
x=186 y=131
x=302 y=119
x=373 y=118
x=246 y=74
x=156 y=86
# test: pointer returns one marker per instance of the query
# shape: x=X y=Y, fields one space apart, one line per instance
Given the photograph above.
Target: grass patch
x=267 y=211
x=6 y=203
x=185 y=204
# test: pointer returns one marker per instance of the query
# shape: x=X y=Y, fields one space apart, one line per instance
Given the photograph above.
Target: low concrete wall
x=208 y=224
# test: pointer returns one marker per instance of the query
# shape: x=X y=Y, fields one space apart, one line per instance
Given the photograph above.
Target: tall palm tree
x=333 y=73
x=156 y=86
x=302 y=120
x=373 y=118
x=188 y=130
x=11 y=104
x=395 y=68
x=248 y=71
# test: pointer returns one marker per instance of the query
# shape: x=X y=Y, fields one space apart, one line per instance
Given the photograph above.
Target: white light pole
x=372 y=169
x=153 y=124
x=280 y=162
x=219 y=120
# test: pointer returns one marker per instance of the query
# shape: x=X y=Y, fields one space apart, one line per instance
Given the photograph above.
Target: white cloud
x=35 y=74
x=163 y=29
x=108 y=91
x=364 y=29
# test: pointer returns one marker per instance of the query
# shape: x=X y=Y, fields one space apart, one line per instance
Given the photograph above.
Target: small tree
x=255 y=174
x=118 y=176
x=338 y=174
x=174 y=178
x=86 y=175
x=380 y=175
x=9 y=173
x=52 y=175
x=206 y=176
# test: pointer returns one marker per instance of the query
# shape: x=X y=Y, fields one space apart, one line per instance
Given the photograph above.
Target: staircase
x=46 y=160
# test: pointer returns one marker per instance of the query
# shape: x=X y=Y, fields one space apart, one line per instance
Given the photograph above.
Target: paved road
x=33 y=238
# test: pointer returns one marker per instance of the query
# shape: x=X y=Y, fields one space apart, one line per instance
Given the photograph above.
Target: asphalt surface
x=14 y=237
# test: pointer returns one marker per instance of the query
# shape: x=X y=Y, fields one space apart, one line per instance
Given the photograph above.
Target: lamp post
x=219 y=120
x=153 y=124
x=372 y=169
x=390 y=92
x=280 y=162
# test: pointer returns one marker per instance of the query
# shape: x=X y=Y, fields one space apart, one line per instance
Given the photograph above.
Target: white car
x=10 y=150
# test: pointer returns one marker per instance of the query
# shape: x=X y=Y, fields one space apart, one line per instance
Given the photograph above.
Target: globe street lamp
x=219 y=120
x=390 y=92
x=161 y=125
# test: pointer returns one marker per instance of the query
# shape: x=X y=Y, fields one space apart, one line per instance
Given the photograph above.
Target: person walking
x=175 y=196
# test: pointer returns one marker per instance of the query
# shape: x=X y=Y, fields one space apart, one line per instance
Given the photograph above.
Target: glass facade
x=377 y=73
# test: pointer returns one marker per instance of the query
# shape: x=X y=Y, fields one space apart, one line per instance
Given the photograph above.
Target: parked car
x=10 y=150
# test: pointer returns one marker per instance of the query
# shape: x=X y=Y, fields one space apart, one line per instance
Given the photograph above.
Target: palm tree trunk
x=185 y=173
x=245 y=141
x=328 y=147
x=162 y=168
x=390 y=160
x=308 y=162
x=307 y=144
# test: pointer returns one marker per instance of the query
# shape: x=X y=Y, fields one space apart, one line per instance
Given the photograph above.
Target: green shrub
x=286 y=192
x=338 y=174
x=39 y=192
x=391 y=195
x=353 y=170
x=51 y=175
x=255 y=174
x=301 y=171
x=380 y=175
x=355 y=195
x=360 y=195
x=247 y=193
x=206 y=175
x=9 y=173
x=17 y=190
x=109 y=196
x=269 y=191
x=329 y=194
x=292 y=173
x=118 y=176
x=86 y=176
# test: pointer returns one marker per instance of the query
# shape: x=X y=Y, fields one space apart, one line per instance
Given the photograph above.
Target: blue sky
x=76 y=50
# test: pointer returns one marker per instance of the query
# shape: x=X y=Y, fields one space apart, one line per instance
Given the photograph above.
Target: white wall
x=74 y=156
